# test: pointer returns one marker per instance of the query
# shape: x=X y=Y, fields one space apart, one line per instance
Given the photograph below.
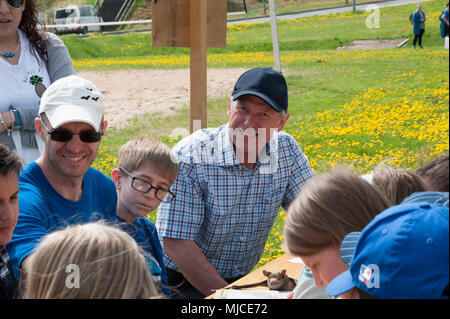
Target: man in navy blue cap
x=232 y=181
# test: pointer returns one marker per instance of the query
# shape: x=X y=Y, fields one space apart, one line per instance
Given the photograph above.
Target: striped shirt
x=427 y=197
x=348 y=246
x=227 y=209
x=7 y=282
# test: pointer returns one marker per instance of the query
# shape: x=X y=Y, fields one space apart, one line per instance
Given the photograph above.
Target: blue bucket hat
x=265 y=83
x=402 y=253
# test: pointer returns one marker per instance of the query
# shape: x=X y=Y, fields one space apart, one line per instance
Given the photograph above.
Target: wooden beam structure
x=199 y=25
x=198 y=65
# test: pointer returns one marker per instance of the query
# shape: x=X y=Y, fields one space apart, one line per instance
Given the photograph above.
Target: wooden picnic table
x=282 y=262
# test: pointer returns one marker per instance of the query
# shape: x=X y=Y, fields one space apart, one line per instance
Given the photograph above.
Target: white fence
x=149 y=21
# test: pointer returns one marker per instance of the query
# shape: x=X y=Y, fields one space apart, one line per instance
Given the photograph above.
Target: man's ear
x=115 y=174
x=283 y=122
x=229 y=105
x=105 y=126
x=39 y=128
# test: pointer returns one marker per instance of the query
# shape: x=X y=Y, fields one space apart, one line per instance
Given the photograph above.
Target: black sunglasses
x=63 y=135
x=15 y=3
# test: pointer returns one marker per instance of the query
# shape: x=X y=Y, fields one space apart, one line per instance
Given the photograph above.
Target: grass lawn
x=357 y=108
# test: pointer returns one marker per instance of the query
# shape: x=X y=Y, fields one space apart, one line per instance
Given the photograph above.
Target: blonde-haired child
x=90 y=261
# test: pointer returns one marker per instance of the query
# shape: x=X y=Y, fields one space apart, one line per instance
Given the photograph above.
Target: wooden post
x=198 y=65
x=198 y=25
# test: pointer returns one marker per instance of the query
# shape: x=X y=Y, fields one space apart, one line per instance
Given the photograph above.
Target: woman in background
x=30 y=60
x=418 y=21
x=445 y=22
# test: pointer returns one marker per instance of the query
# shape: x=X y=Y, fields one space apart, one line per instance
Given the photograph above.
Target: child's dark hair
x=397 y=183
x=9 y=162
x=435 y=174
x=330 y=206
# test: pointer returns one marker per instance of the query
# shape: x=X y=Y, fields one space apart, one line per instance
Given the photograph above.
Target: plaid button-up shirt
x=227 y=209
x=7 y=282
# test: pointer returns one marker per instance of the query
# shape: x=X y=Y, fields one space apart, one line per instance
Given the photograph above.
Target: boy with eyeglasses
x=60 y=188
x=146 y=170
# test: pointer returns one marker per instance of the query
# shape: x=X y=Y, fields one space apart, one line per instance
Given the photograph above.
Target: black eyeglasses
x=63 y=135
x=142 y=186
x=15 y=3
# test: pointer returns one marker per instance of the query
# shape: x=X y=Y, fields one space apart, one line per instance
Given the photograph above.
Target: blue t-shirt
x=145 y=234
x=43 y=210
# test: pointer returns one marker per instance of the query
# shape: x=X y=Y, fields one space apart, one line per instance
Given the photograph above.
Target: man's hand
x=189 y=259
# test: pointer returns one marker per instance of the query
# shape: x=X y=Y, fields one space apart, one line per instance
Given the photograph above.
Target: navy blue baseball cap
x=402 y=253
x=265 y=83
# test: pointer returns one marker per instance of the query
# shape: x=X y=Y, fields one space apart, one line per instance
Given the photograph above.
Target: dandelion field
x=354 y=108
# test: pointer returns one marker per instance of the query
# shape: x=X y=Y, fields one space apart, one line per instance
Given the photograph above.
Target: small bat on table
x=277 y=280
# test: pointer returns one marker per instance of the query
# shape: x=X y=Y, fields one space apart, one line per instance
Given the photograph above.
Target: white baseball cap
x=72 y=99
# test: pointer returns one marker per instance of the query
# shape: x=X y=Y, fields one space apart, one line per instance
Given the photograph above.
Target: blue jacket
x=145 y=234
x=417 y=23
x=443 y=24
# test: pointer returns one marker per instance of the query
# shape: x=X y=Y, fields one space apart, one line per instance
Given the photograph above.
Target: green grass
x=312 y=5
x=357 y=108
x=315 y=33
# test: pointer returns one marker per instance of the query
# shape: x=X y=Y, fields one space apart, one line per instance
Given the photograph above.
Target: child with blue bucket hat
x=402 y=253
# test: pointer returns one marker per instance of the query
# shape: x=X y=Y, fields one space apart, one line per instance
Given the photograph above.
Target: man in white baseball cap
x=61 y=188
x=72 y=99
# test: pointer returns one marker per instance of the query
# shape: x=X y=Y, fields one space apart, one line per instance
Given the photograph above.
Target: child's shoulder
x=142 y=222
x=146 y=226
